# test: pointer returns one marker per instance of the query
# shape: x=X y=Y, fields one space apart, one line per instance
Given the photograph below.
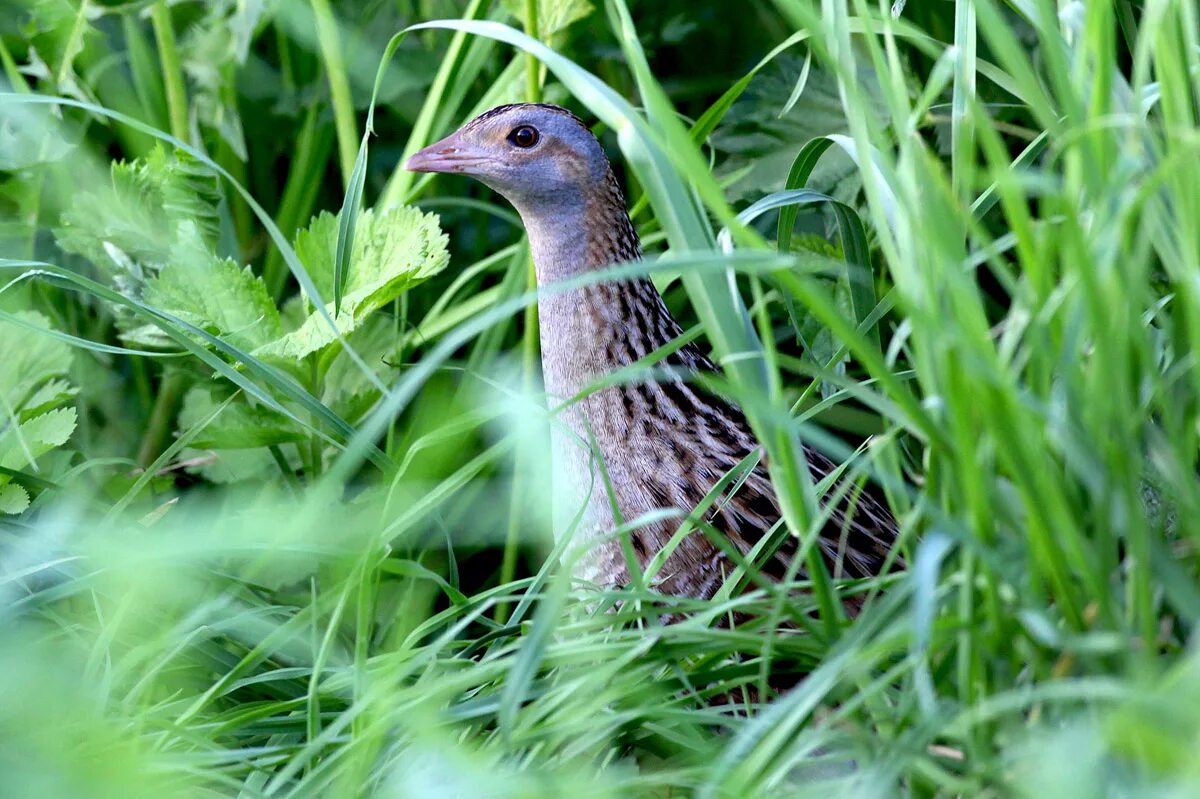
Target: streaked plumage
x=663 y=442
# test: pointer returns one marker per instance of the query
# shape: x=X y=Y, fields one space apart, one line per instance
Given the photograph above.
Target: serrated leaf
x=50 y=395
x=238 y=426
x=129 y=228
x=347 y=390
x=393 y=251
x=230 y=466
x=13 y=498
x=22 y=444
x=761 y=142
x=32 y=367
x=214 y=293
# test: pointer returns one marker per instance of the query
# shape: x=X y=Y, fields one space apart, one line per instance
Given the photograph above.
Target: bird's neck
x=580 y=231
x=590 y=331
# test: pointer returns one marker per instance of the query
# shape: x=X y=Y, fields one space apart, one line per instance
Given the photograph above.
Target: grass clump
x=274 y=481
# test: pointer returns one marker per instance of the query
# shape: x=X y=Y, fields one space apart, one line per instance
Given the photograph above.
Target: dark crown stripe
x=504 y=109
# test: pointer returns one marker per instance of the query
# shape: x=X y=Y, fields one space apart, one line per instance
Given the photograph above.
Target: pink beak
x=448 y=155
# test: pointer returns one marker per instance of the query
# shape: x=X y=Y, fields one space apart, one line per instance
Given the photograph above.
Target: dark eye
x=524 y=136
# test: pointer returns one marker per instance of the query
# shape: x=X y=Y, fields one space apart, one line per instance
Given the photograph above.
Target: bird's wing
x=859 y=532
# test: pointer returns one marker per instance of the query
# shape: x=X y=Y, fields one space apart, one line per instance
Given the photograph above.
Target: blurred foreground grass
x=275 y=520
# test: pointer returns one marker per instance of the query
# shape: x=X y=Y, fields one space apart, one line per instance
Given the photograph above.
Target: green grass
x=284 y=531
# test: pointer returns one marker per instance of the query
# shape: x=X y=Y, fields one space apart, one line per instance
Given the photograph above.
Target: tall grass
x=261 y=556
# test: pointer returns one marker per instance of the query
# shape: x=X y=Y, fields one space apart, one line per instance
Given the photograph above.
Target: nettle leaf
x=214 y=293
x=231 y=448
x=394 y=250
x=22 y=444
x=761 y=144
x=238 y=426
x=32 y=385
x=32 y=368
x=129 y=228
x=13 y=498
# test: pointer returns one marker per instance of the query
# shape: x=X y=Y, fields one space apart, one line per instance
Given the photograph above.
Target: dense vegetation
x=273 y=468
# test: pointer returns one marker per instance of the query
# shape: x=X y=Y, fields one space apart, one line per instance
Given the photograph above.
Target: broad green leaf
x=32 y=368
x=347 y=391
x=761 y=142
x=214 y=293
x=130 y=228
x=239 y=426
x=232 y=447
x=13 y=498
x=22 y=444
x=393 y=251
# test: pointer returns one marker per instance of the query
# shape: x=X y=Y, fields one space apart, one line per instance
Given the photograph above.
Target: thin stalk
x=516 y=518
x=533 y=69
x=299 y=195
x=339 y=87
x=15 y=79
x=529 y=349
x=168 y=58
x=169 y=392
x=314 y=444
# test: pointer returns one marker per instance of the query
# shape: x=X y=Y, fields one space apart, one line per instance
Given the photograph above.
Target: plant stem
x=529 y=346
x=311 y=153
x=533 y=84
x=12 y=72
x=516 y=517
x=168 y=58
x=339 y=87
x=169 y=392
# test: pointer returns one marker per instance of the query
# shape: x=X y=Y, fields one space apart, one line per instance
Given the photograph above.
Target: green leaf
x=232 y=447
x=215 y=294
x=393 y=251
x=13 y=498
x=230 y=466
x=22 y=444
x=553 y=16
x=32 y=384
x=130 y=229
x=238 y=426
x=346 y=389
x=32 y=368
x=58 y=31
x=761 y=142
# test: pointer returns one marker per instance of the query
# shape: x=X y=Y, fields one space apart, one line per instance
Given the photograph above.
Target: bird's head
x=536 y=155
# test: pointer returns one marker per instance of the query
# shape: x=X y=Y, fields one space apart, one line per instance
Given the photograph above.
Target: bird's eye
x=524 y=136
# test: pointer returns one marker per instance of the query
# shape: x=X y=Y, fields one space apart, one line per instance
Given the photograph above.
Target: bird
x=663 y=443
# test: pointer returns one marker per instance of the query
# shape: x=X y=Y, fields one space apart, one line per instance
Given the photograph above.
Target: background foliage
x=273 y=476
